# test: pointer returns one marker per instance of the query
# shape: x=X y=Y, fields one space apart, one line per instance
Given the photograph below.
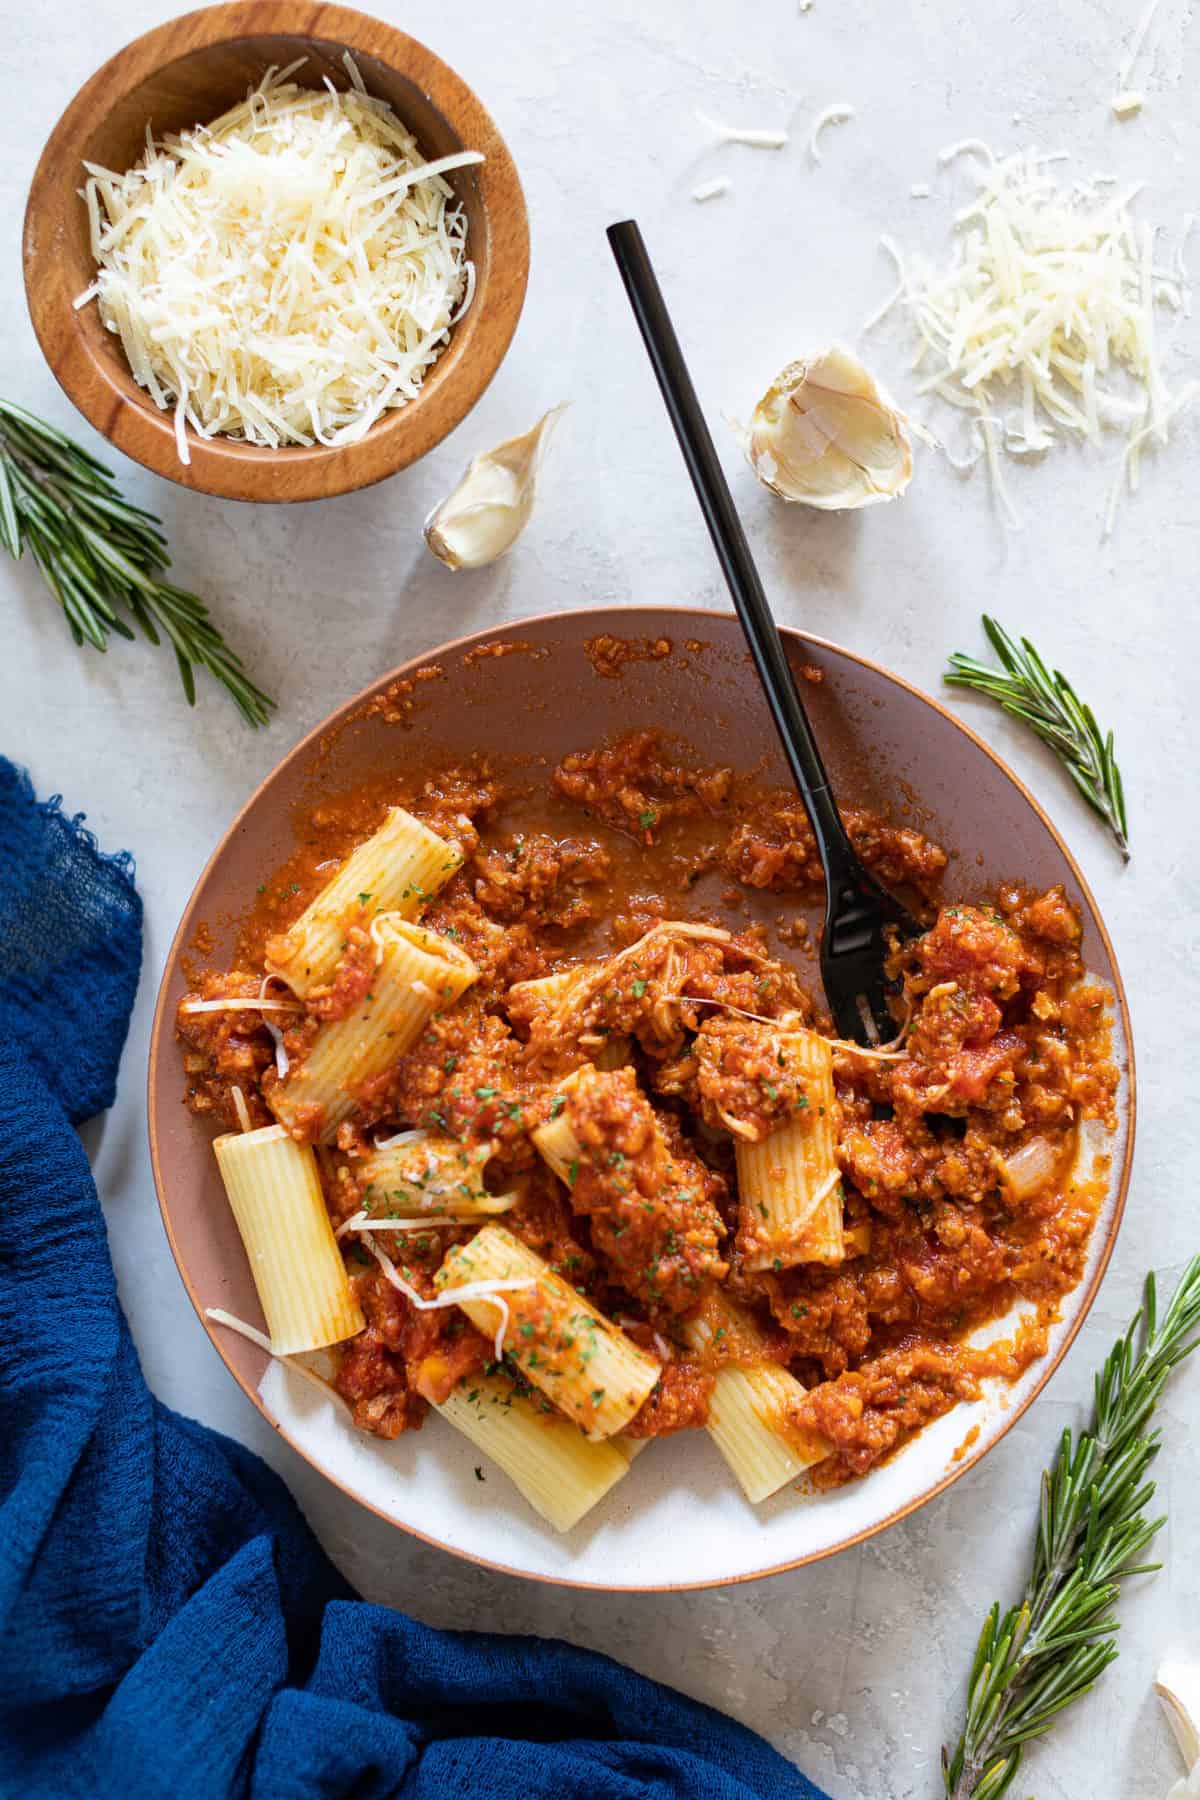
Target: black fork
x=860 y=915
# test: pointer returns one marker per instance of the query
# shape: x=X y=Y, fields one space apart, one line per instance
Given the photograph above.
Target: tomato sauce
x=1002 y=1043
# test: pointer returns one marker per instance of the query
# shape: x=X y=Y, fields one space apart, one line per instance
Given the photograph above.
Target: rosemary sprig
x=1049 y=705
x=96 y=553
x=1045 y=1653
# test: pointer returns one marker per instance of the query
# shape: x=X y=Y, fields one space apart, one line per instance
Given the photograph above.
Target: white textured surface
x=854 y=1667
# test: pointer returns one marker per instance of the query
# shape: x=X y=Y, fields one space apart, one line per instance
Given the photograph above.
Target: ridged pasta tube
x=556 y=1468
x=398 y=870
x=751 y=1407
x=419 y=974
x=580 y=1360
x=276 y=1199
x=421 y=1172
x=790 y=1185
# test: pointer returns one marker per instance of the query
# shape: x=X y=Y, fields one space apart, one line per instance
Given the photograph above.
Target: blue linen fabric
x=168 y=1623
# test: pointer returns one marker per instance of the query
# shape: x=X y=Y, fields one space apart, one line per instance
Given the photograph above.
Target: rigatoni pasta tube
x=580 y=1360
x=422 y=1172
x=275 y=1196
x=556 y=1141
x=547 y=993
x=398 y=870
x=419 y=974
x=790 y=1184
x=752 y=1404
x=556 y=1468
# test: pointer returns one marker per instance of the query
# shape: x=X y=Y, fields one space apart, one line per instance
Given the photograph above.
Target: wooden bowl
x=678 y=1520
x=186 y=73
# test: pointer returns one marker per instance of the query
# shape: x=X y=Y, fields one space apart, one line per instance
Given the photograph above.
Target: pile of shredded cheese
x=1044 y=324
x=285 y=274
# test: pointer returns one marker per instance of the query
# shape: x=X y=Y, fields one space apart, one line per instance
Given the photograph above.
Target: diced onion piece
x=1028 y=1169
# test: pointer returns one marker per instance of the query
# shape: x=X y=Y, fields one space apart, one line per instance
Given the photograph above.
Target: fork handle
x=733 y=552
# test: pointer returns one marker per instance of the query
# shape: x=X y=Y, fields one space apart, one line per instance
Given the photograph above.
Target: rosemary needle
x=97 y=553
x=1049 y=705
x=1045 y=1653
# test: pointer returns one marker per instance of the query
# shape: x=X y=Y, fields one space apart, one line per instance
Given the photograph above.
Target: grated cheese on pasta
x=1044 y=324
x=285 y=274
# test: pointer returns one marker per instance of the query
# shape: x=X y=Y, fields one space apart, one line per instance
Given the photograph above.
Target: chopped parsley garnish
x=638 y=989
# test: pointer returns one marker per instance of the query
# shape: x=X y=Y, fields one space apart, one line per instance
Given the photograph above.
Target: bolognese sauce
x=956 y=1146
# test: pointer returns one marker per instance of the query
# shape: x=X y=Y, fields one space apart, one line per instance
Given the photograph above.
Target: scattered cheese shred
x=471 y=1290
x=241 y=1004
x=1140 y=31
x=240 y=1107
x=737 y=134
x=296 y=1360
x=838 y=114
x=1049 y=300
x=709 y=190
x=1128 y=103
x=285 y=274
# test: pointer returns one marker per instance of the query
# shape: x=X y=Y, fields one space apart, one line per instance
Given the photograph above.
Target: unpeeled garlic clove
x=491 y=506
x=1178 y=1688
x=827 y=435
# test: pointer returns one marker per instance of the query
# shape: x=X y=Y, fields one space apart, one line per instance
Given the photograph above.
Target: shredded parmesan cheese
x=736 y=134
x=1128 y=103
x=219 y=1316
x=1049 y=302
x=1135 y=44
x=285 y=274
x=361 y=1221
x=710 y=190
x=472 y=1290
x=241 y=1005
x=231 y=1322
x=416 y=1136
x=832 y=115
x=240 y=1107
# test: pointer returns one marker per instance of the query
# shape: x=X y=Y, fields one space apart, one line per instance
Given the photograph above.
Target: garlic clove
x=492 y=504
x=827 y=435
x=1178 y=1688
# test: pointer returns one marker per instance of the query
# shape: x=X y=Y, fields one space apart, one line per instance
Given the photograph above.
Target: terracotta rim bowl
x=678 y=1519
x=187 y=72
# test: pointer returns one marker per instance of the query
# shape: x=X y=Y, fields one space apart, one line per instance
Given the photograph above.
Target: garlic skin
x=1178 y=1688
x=825 y=434
x=492 y=504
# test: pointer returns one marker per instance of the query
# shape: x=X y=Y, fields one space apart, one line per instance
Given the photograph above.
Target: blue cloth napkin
x=168 y=1623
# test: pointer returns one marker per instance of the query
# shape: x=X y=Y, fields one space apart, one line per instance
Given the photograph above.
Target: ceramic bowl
x=678 y=1520
x=190 y=71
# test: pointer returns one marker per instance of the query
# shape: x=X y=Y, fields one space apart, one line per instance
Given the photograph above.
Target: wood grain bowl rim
x=620 y=620
x=124 y=414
